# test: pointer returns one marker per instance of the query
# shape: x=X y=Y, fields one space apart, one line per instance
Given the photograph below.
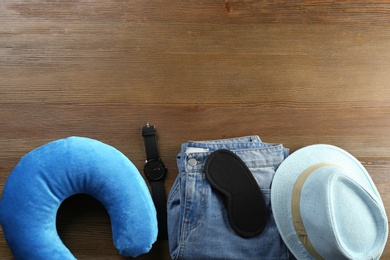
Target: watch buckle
x=148 y=129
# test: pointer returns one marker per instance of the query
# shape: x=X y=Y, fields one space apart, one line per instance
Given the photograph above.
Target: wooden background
x=293 y=72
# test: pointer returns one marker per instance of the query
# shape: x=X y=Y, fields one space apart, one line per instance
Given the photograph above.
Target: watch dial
x=154 y=170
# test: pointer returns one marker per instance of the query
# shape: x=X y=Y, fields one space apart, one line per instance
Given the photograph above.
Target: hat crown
x=342 y=219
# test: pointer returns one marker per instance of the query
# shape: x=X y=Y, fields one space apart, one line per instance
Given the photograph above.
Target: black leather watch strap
x=149 y=134
x=155 y=172
x=159 y=200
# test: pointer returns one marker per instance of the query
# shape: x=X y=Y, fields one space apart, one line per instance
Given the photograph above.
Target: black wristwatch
x=155 y=172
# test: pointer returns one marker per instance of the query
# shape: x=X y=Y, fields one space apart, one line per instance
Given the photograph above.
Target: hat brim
x=287 y=174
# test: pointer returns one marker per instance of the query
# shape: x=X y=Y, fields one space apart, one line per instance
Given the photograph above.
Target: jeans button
x=192 y=162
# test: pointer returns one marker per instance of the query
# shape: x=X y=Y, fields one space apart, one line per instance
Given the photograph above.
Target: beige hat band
x=295 y=206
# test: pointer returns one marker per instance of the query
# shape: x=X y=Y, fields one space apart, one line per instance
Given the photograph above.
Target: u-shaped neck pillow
x=48 y=175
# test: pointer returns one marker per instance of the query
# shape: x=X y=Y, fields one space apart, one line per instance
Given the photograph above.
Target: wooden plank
x=233 y=11
x=270 y=63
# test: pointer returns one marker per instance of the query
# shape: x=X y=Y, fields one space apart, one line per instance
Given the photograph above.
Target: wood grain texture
x=293 y=72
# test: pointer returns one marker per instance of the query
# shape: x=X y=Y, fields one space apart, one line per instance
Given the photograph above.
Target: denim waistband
x=255 y=153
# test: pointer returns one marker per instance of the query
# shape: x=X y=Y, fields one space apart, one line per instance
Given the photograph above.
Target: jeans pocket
x=196 y=190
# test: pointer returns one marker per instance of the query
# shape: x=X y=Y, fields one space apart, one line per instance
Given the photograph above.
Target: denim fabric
x=198 y=226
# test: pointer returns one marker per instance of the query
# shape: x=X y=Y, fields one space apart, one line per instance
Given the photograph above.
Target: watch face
x=154 y=170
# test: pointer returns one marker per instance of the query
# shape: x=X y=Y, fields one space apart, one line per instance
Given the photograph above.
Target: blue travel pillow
x=48 y=175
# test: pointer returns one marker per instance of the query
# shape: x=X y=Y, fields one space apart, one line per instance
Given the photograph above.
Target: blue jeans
x=198 y=226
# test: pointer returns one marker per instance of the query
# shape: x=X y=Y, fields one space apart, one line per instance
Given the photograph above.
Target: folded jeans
x=198 y=224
